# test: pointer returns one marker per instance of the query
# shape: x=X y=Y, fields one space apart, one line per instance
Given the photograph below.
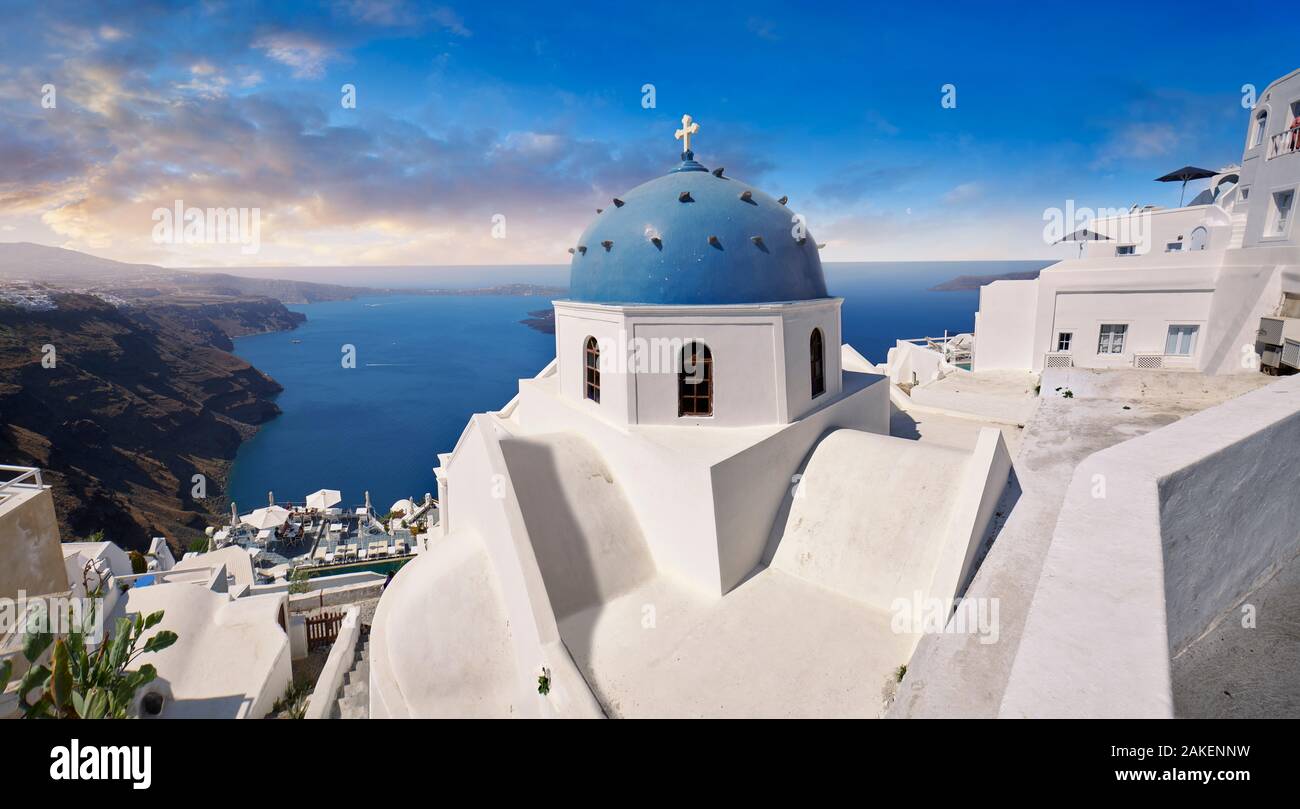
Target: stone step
x=354 y=690
x=354 y=706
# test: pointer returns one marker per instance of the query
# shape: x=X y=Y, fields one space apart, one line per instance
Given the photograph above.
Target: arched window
x=1261 y=126
x=817 y=360
x=591 y=374
x=695 y=381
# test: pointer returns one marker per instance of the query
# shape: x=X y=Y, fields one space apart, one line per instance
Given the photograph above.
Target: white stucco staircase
x=1238 y=235
x=354 y=697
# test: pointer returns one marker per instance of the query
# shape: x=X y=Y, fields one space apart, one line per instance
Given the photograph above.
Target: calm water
x=424 y=364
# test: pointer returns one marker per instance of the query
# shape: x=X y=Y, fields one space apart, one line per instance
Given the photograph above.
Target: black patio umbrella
x=1185 y=174
x=1084 y=235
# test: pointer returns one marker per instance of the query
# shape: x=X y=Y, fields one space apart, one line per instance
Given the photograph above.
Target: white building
x=1170 y=288
x=232 y=656
x=696 y=509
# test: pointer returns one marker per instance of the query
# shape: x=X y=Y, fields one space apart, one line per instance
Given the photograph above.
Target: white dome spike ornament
x=689 y=127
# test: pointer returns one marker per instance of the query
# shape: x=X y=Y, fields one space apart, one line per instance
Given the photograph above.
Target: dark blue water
x=425 y=364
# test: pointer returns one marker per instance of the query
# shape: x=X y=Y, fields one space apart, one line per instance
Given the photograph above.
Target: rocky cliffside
x=131 y=404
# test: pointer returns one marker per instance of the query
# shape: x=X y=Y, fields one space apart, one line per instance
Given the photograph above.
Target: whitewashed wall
x=1174 y=536
x=1004 y=326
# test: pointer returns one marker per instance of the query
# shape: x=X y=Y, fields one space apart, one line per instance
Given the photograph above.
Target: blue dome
x=691 y=237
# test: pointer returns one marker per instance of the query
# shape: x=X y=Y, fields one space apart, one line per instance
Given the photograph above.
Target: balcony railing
x=18 y=479
x=1285 y=142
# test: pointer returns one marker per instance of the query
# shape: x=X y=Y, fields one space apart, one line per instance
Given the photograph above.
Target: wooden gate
x=323 y=629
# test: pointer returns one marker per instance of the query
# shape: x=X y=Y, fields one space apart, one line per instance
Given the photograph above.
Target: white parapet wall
x=336 y=666
x=1157 y=537
x=908 y=362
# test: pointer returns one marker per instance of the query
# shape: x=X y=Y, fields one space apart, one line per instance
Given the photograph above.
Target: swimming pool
x=384 y=566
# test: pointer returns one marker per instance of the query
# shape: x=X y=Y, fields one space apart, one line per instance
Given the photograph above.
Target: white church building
x=696 y=509
x=1172 y=288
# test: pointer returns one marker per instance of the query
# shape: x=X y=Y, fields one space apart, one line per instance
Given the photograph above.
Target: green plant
x=138 y=563
x=294 y=702
x=544 y=683
x=900 y=673
x=1067 y=393
x=82 y=684
x=200 y=545
x=299 y=580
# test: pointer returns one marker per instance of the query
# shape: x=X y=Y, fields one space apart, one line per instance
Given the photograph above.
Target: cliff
x=139 y=400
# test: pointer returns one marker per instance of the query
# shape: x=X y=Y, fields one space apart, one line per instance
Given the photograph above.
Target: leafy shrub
x=82 y=684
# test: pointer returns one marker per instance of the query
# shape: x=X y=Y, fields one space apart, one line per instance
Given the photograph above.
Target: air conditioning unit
x=1291 y=353
x=1149 y=361
x=1278 y=343
x=1274 y=330
x=1058 y=360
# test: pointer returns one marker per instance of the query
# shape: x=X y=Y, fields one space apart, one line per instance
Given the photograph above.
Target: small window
x=1181 y=341
x=1111 y=340
x=817 y=360
x=695 y=381
x=1063 y=340
x=1126 y=250
x=1283 y=202
x=591 y=367
x=1261 y=126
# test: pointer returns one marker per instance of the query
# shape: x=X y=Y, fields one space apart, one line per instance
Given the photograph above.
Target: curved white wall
x=1187 y=521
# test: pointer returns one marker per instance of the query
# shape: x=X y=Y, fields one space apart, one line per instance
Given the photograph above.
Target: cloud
x=305 y=55
x=966 y=192
x=857 y=182
x=401 y=13
x=762 y=28
x=881 y=124
x=389 y=190
x=1139 y=142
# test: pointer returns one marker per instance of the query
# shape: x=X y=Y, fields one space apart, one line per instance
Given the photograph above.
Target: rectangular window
x=1261 y=126
x=1283 y=201
x=1111 y=339
x=1126 y=250
x=1063 y=340
x=1181 y=341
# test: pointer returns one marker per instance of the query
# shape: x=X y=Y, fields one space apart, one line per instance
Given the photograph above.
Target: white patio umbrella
x=324 y=498
x=269 y=517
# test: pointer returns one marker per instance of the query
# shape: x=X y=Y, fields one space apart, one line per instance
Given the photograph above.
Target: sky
x=488 y=133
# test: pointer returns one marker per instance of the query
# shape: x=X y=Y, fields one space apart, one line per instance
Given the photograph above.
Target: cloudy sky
x=468 y=111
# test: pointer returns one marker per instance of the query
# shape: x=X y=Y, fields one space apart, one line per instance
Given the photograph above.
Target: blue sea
x=424 y=364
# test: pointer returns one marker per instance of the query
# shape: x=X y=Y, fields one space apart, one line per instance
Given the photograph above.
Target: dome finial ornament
x=689 y=127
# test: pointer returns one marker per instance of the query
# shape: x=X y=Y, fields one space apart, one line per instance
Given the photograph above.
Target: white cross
x=689 y=128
